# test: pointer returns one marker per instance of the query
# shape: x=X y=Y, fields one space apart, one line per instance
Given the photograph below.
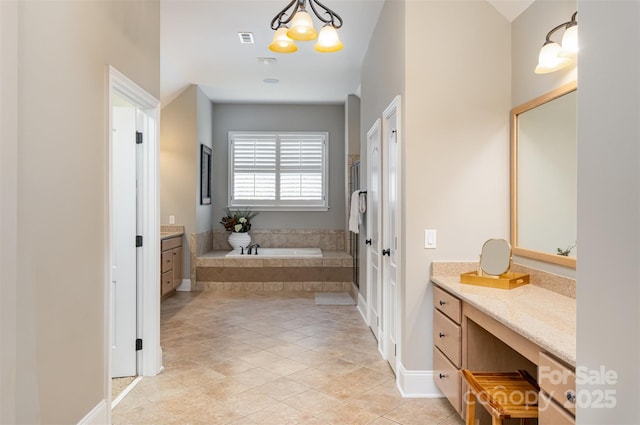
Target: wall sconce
x=554 y=56
x=302 y=27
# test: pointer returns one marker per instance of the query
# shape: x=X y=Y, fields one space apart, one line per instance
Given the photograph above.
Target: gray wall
x=256 y=117
x=205 y=137
x=455 y=139
x=58 y=187
x=528 y=34
x=186 y=124
x=456 y=150
x=608 y=291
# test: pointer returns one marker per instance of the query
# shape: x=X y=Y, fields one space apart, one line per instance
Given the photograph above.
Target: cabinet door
x=177 y=266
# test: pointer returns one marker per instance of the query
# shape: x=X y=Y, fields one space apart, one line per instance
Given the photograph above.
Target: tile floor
x=271 y=359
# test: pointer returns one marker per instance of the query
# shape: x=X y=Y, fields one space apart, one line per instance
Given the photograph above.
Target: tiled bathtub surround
x=552 y=282
x=326 y=239
x=213 y=244
x=332 y=273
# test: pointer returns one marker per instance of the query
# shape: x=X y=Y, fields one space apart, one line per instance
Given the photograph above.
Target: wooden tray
x=507 y=280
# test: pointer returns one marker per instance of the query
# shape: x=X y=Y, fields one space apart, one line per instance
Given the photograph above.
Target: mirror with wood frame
x=544 y=177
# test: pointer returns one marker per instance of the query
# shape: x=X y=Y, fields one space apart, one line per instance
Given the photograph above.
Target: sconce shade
x=282 y=43
x=302 y=27
x=570 y=43
x=548 y=59
x=328 y=40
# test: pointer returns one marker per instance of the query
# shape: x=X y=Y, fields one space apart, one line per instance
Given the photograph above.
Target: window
x=278 y=171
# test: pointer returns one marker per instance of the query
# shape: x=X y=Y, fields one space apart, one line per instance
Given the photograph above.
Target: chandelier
x=294 y=23
x=554 y=56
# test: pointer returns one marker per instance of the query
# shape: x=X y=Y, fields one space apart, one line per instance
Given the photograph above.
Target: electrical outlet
x=172 y=219
x=430 y=238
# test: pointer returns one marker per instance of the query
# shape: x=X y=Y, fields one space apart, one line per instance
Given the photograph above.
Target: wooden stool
x=503 y=395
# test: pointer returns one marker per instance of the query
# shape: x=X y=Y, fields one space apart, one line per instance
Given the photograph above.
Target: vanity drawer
x=167 y=261
x=166 y=282
x=558 y=381
x=550 y=413
x=447 y=378
x=447 y=337
x=171 y=243
x=447 y=303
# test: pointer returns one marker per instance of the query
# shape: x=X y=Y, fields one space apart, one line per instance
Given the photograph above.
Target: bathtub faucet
x=251 y=246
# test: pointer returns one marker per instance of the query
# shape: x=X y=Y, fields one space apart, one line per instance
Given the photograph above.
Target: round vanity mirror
x=496 y=257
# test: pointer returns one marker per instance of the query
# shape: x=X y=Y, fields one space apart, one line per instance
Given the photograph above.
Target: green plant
x=238 y=221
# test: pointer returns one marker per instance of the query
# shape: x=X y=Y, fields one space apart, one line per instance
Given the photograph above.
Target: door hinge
x=138 y=344
x=138 y=241
x=138 y=138
x=395 y=350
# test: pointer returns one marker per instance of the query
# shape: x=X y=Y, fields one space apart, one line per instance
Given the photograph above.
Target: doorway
x=132 y=288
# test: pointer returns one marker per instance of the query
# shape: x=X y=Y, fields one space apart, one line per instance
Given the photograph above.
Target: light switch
x=430 y=238
x=172 y=219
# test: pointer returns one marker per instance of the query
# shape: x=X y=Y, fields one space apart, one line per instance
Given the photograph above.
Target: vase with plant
x=239 y=224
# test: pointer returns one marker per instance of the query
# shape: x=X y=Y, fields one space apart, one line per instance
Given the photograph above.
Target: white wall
x=58 y=189
x=260 y=117
x=456 y=148
x=608 y=290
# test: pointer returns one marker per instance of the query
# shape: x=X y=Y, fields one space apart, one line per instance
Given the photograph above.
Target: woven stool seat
x=504 y=395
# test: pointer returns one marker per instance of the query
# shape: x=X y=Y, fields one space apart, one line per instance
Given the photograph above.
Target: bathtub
x=280 y=253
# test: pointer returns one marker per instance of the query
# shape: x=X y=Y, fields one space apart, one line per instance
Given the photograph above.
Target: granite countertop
x=546 y=318
x=169 y=235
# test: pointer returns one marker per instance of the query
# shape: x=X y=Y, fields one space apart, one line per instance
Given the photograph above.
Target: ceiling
x=200 y=45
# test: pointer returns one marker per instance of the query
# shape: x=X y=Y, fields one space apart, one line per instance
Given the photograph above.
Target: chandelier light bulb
x=328 y=40
x=548 y=59
x=302 y=27
x=570 y=43
x=282 y=43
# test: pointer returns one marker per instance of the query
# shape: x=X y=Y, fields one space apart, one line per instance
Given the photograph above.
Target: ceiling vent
x=246 y=37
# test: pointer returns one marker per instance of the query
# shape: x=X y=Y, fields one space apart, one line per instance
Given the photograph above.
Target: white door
x=390 y=244
x=123 y=227
x=374 y=223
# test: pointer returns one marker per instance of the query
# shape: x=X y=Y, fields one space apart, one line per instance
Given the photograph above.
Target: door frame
x=148 y=311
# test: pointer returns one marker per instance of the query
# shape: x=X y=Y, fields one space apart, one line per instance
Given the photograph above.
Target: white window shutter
x=278 y=171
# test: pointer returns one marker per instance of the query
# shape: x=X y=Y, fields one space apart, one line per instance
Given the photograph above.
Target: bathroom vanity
x=491 y=329
x=171 y=262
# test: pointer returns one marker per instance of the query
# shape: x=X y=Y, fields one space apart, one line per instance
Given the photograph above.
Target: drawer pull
x=441 y=335
x=442 y=302
x=442 y=375
x=571 y=397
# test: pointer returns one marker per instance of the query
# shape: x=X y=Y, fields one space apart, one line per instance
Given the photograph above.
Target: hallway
x=237 y=358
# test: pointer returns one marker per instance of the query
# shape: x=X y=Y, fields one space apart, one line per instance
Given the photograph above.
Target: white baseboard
x=363 y=308
x=99 y=415
x=185 y=286
x=417 y=383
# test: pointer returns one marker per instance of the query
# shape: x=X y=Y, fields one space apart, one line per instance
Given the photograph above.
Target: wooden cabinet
x=170 y=265
x=447 y=341
x=557 y=391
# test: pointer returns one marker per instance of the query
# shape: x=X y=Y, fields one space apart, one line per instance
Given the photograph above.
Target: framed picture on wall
x=205 y=175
